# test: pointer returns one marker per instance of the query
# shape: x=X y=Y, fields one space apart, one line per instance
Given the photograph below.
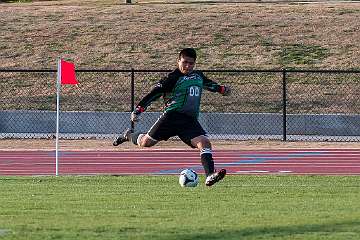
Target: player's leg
x=142 y=139
x=137 y=138
x=204 y=145
x=194 y=135
x=161 y=130
x=122 y=138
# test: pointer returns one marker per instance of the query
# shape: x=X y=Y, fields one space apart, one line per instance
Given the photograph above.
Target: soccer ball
x=188 y=178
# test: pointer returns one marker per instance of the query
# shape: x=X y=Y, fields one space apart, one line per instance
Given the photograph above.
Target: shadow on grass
x=349 y=227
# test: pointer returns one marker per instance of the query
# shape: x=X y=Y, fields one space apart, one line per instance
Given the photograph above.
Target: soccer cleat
x=215 y=177
x=122 y=138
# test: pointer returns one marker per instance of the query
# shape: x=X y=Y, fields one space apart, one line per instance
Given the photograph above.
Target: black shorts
x=178 y=124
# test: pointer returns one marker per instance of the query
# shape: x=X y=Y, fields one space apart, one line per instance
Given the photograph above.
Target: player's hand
x=135 y=116
x=227 y=91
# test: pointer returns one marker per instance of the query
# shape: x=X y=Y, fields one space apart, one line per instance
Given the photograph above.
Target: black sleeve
x=156 y=92
x=163 y=86
x=211 y=85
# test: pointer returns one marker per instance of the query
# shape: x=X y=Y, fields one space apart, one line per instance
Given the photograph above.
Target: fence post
x=132 y=108
x=284 y=100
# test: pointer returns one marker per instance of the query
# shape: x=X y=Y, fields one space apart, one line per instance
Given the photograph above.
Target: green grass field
x=156 y=207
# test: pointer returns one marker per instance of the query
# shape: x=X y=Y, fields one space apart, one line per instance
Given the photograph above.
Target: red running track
x=158 y=162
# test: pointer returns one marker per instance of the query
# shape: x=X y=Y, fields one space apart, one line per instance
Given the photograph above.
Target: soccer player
x=181 y=91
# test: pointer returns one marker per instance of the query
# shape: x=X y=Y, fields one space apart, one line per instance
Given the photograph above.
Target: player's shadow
x=286 y=232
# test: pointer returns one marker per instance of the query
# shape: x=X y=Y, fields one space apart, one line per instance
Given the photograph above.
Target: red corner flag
x=67 y=73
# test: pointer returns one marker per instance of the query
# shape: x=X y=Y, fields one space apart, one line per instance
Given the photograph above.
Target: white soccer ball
x=188 y=178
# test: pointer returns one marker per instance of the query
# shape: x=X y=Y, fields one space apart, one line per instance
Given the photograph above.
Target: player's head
x=186 y=61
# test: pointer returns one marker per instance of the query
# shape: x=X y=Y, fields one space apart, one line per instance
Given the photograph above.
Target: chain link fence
x=275 y=104
x=323 y=105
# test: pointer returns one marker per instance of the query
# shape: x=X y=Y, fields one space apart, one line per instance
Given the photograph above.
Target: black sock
x=207 y=161
x=133 y=137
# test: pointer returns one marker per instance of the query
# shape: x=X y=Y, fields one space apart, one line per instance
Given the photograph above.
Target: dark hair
x=188 y=52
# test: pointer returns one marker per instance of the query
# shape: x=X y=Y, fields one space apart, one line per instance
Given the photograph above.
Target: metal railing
x=321 y=105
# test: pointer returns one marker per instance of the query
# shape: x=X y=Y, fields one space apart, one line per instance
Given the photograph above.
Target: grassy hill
x=111 y=34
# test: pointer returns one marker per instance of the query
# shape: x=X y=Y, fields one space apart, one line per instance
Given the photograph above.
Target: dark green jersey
x=181 y=93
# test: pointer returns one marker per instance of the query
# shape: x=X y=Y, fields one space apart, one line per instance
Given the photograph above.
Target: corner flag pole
x=58 y=86
x=65 y=75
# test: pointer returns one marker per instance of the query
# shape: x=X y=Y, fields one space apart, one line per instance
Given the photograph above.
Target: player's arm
x=215 y=87
x=155 y=93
